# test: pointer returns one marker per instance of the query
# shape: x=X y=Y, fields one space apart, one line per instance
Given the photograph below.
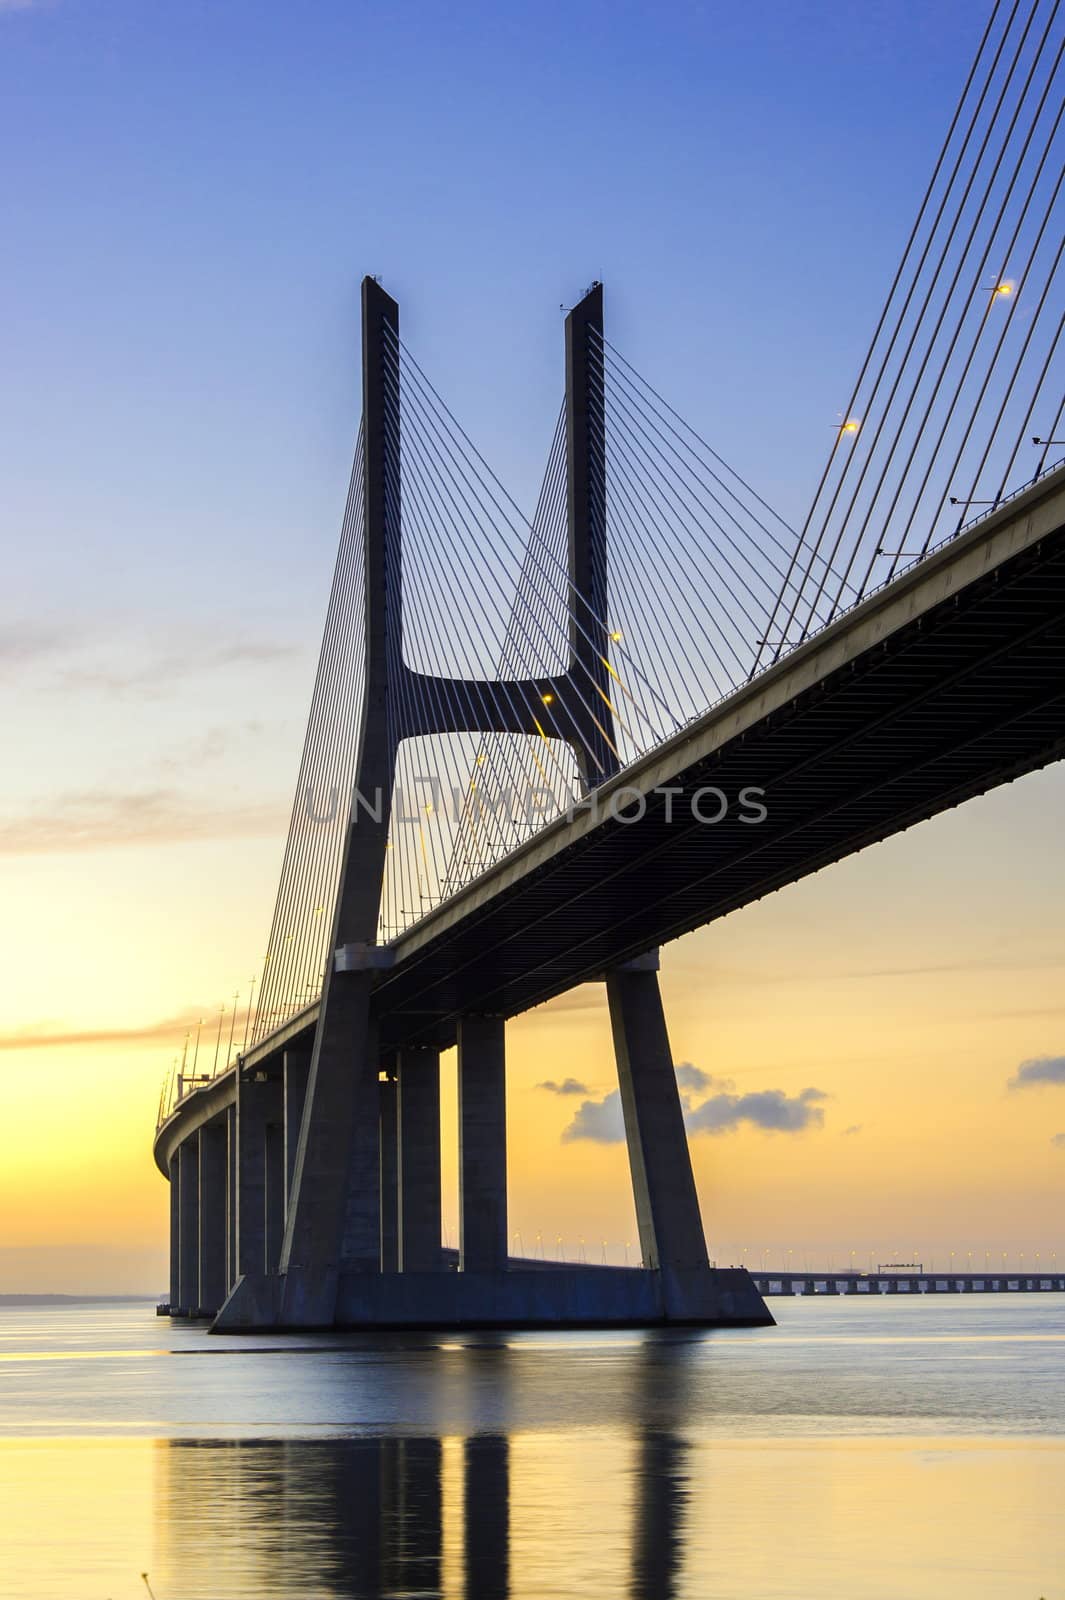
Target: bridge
x=540 y=748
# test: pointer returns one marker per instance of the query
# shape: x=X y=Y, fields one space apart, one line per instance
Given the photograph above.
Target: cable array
x=484 y=601
x=963 y=366
x=310 y=870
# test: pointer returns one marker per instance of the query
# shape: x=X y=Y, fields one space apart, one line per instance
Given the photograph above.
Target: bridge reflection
x=405 y=1514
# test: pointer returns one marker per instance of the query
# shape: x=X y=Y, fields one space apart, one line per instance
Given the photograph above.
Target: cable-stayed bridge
x=539 y=747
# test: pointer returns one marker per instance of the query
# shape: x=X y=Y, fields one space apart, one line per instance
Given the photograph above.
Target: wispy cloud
x=100 y=819
x=155 y=674
x=54 y=1036
x=855 y=1127
x=1041 y=1069
x=23 y=642
x=567 y=1086
x=1059 y=1140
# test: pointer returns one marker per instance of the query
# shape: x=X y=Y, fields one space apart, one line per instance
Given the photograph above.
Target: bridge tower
x=361 y=1237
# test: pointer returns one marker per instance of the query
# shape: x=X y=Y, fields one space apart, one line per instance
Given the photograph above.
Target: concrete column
x=389 y=1177
x=418 y=1117
x=213 y=1217
x=296 y=1071
x=667 y=1206
x=231 y=1196
x=188 y=1286
x=175 y=1230
x=273 y=1192
x=258 y=1103
x=482 y=1144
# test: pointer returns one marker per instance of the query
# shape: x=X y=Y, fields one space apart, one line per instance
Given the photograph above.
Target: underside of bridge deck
x=967 y=694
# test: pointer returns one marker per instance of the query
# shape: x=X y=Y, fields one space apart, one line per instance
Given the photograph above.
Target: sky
x=192 y=195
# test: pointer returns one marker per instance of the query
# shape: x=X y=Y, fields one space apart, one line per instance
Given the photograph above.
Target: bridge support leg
x=188 y=1274
x=482 y=1144
x=212 y=1218
x=231 y=1197
x=418 y=1106
x=273 y=1192
x=667 y=1206
x=174 y=1169
x=389 y=1166
x=296 y=1069
x=258 y=1103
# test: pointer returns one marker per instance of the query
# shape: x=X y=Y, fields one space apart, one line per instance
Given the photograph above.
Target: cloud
x=99 y=819
x=1041 y=1069
x=692 y=1079
x=600 y=1121
x=51 y=1036
x=1059 y=1140
x=22 y=642
x=567 y=1086
x=855 y=1127
x=153 y=676
x=770 y=1109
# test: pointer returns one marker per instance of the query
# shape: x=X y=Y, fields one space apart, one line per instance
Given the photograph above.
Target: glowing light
x=617 y=636
x=851 y=425
x=547 y=699
x=1004 y=289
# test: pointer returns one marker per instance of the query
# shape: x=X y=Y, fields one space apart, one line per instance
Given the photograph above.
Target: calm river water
x=886 y=1449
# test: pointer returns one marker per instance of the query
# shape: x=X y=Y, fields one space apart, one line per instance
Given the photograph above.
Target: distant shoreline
x=75 y=1299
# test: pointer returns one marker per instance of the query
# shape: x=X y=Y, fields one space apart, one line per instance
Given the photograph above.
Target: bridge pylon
x=361 y=1180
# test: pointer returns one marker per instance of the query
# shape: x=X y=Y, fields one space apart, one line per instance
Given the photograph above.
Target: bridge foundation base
x=562 y=1297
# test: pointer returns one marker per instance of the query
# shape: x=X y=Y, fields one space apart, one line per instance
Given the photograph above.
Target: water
x=882 y=1449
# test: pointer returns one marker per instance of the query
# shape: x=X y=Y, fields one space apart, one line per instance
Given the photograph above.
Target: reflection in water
x=408 y=1515
x=773 y=1463
x=350 y=1517
x=487 y=1506
x=661 y=1470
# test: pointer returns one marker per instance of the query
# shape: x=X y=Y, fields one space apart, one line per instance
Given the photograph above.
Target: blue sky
x=199 y=188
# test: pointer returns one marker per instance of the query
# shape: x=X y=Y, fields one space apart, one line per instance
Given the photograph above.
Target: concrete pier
x=230 y=1115
x=258 y=1105
x=389 y=1167
x=418 y=1125
x=212 y=1218
x=295 y=1072
x=188 y=1273
x=273 y=1192
x=667 y=1206
x=174 y=1174
x=482 y=1144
